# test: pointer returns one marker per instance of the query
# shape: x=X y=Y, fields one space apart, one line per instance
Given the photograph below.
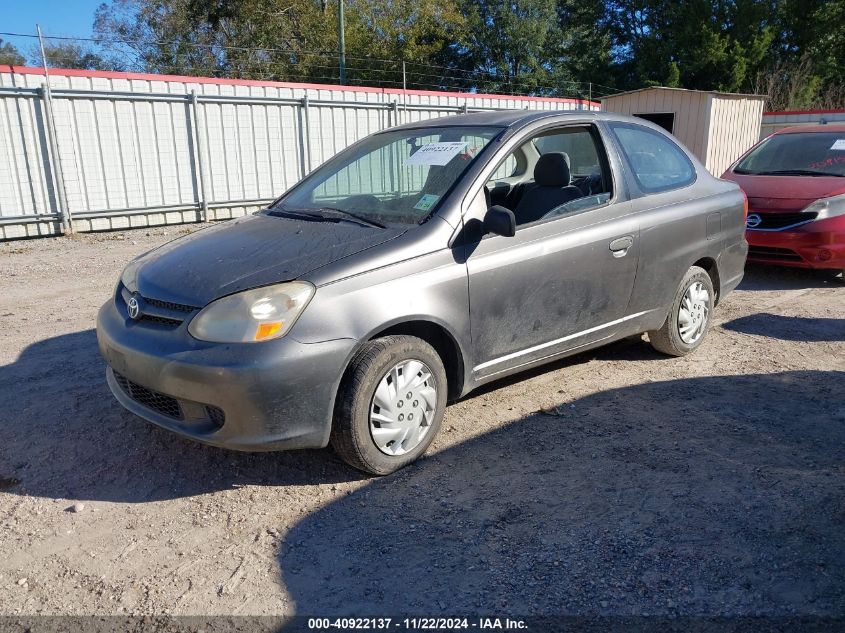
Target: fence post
x=395 y=113
x=305 y=136
x=199 y=170
x=53 y=156
x=404 y=93
x=54 y=162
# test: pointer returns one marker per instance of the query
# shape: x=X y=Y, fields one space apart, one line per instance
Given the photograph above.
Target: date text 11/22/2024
x=417 y=624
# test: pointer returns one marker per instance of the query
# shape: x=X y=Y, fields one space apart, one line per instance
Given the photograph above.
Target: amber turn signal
x=267 y=330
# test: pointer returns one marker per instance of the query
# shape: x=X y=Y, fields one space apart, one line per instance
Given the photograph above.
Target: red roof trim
x=68 y=72
x=786 y=112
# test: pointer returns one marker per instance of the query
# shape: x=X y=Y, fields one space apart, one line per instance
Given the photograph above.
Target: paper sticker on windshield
x=839 y=144
x=436 y=153
x=427 y=202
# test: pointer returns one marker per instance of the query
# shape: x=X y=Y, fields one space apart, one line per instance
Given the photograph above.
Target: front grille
x=169 y=305
x=157 y=311
x=150 y=318
x=779 y=254
x=215 y=414
x=159 y=402
x=775 y=221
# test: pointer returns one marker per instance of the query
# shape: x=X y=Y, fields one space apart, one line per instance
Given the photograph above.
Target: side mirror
x=500 y=221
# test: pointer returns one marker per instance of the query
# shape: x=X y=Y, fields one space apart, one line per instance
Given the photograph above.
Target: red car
x=795 y=183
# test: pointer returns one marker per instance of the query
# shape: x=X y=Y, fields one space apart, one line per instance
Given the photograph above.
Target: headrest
x=552 y=170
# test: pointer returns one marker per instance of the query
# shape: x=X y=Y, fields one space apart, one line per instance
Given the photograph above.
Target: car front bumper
x=819 y=244
x=275 y=395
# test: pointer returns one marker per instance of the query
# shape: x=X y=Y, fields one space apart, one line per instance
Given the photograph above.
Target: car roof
x=835 y=128
x=512 y=118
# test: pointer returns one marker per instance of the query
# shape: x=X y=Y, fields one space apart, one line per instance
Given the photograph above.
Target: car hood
x=253 y=251
x=785 y=193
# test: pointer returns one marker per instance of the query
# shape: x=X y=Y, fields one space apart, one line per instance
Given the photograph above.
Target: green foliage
x=494 y=29
x=10 y=55
x=290 y=40
x=71 y=55
x=673 y=79
x=792 y=50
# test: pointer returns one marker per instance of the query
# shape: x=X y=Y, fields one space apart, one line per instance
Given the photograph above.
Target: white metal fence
x=774 y=121
x=103 y=150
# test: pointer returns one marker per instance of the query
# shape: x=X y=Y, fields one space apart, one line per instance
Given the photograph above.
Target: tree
x=10 y=55
x=709 y=44
x=584 y=54
x=290 y=40
x=72 y=55
x=552 y=47
x=512 y=46
x=804 y=65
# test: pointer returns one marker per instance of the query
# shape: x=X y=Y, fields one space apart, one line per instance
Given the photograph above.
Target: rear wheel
x=390 y=404
x=689 y=316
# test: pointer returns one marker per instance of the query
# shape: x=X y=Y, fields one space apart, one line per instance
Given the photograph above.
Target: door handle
x=619 y=247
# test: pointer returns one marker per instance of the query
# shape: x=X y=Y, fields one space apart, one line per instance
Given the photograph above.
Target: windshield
x=392 y=177
x=801 y=154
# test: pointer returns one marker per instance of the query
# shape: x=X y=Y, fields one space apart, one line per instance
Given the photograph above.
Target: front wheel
x=689 y=316
x=390 y=404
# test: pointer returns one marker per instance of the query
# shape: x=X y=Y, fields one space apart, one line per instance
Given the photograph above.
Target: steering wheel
x=594 y=184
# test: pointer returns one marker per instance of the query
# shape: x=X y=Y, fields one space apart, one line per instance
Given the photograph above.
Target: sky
x=65 y=18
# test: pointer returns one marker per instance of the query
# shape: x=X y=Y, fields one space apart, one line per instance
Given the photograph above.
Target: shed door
x=666 y=120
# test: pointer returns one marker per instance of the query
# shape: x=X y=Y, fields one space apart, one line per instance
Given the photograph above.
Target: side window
x=578 y=144
x=570 y=175
x=658 y=164
x=508 y=169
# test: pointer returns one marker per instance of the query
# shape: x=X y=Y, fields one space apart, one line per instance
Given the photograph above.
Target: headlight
x=254 y=315
x=827 y=207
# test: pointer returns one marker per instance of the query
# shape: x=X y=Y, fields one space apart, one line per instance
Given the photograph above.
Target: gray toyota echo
x=414 y=266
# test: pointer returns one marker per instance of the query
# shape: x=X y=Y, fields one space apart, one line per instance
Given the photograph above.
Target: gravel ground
x=614 y=482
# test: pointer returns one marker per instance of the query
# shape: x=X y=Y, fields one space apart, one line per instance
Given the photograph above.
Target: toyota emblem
x=134 y=308
x=753 y=221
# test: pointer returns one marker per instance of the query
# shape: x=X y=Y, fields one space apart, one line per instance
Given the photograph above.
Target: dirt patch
x=712 y=484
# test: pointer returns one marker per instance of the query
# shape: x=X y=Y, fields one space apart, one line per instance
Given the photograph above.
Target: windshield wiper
x=299 y=215
x=796 y=172
x=343 y=214
x=325 y=214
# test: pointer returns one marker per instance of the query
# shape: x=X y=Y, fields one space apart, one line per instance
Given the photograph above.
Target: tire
x=380 y=365
x=669 y=339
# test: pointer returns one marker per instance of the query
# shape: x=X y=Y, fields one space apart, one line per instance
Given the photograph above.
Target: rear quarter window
x=658 y=164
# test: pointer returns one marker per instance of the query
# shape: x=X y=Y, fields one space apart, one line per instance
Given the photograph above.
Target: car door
x=681 y=220
x=507 y=179
x=559 y=283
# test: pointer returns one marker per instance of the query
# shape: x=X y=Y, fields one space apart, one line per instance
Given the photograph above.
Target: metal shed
x=716 y=126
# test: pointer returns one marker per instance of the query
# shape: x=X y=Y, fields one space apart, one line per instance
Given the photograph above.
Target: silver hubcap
x=694 y=312
x=403 y=407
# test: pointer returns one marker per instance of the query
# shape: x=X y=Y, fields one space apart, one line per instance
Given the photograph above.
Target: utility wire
x=451 y=76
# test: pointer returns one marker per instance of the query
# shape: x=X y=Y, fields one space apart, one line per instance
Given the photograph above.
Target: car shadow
x=63 y=435
x=762 y=277
x=789 y=328
x=703 y=496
